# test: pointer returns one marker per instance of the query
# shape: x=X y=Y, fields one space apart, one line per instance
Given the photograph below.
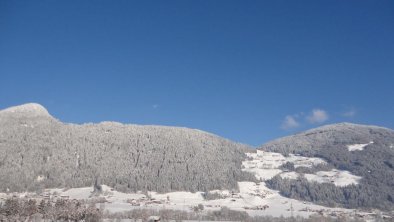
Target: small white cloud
x=155 y=106
x=290 y=122
x=350 y=113
x=317 y=116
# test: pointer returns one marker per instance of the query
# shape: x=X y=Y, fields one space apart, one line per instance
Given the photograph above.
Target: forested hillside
x=373 y=161
x=37 y=151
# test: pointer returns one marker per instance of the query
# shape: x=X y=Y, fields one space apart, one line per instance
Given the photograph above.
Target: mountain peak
x=28 y=109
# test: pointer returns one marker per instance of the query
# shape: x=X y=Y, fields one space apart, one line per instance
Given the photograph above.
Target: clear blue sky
x=249 y=71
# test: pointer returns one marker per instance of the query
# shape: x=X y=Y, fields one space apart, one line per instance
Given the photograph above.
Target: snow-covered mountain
x=341 y=165
x=365 y=151
x=37 y=151
x=336 y=165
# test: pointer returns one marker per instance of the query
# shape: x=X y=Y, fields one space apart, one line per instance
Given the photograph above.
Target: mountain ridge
x=33 y=110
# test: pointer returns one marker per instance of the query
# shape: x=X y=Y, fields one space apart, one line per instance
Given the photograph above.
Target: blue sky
x=250 y=71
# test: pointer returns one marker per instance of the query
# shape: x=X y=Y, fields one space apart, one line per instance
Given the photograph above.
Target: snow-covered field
x=337 y=177
x=265 y=165
x=254 y=198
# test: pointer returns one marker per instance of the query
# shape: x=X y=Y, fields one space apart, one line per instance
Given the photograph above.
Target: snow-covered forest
x=37 y=151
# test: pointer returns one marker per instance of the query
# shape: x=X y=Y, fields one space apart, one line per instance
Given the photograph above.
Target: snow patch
x=338 y=177
x=289 y=175
x=360 y=147
x=40 y=178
